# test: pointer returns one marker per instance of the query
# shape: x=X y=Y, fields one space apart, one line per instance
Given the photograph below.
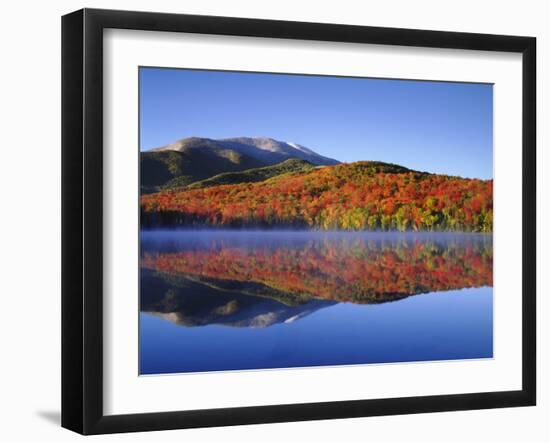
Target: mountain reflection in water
x=258 y=279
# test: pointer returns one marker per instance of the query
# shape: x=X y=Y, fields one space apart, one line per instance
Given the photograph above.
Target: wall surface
x=30 y=240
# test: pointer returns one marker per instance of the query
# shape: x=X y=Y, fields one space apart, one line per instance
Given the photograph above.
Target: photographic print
x=291 y=221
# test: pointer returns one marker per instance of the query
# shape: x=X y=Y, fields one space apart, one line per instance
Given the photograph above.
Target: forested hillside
x=357 y=196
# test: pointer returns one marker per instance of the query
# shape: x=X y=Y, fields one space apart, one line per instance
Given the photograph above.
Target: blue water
x=195 y=318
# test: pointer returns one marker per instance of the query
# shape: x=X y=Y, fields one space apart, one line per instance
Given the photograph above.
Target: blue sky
x=429 y=126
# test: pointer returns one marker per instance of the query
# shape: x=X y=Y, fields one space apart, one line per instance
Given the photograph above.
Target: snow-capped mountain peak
x=265 y=149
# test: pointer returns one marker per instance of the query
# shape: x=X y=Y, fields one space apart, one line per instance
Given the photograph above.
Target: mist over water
x=225 y=300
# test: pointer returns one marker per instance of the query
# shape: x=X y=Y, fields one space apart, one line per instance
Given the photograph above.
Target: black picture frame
x=82 y=218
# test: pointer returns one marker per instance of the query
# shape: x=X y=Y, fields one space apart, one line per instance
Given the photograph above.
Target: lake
x=213 y=300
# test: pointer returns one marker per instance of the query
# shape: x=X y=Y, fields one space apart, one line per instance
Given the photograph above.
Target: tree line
x=344 y=197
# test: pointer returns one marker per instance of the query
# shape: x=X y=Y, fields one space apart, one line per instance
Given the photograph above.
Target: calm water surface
x=230 y=300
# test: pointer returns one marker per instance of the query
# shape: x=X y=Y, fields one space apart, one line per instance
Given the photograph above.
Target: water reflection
x=258 y=279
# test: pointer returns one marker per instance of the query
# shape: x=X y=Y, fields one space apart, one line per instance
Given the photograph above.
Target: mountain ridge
x=290 y=166
x=193 y=159
x=262 y=148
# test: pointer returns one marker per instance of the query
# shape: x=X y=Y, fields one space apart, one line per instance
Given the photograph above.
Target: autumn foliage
x=356 y=196
x=359 y=270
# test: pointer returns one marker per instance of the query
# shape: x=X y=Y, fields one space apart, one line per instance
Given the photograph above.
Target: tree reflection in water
x=282 y=278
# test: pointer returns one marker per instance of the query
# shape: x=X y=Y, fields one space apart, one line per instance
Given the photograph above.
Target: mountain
x=363 y=195
x=292 y=165
x=263 y=149
x=187 y=166
x=192 y=159
x=274 y=151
